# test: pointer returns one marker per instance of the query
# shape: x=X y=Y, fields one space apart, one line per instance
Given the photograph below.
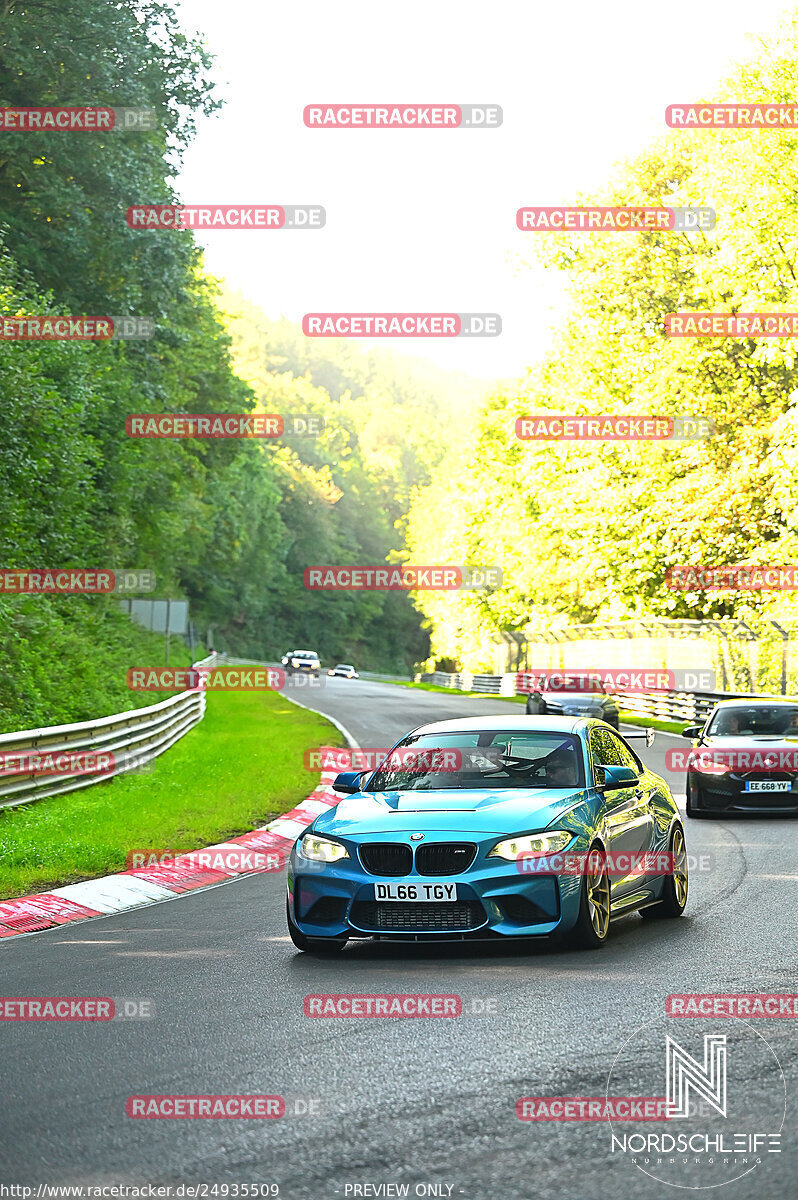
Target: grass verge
x=434 y=687
x=632 y=718
x=239 y=768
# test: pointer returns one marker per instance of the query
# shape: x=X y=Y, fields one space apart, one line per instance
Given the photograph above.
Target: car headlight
x=319 y=849
x=536 y=843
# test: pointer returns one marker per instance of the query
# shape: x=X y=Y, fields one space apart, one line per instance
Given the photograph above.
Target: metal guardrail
x=133 y=738
x=689 y=707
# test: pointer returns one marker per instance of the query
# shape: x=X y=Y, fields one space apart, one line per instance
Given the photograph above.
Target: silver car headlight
x=320 y=849
x=534 y=843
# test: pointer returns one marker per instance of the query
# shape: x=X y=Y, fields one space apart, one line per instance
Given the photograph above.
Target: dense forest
x=227 y=524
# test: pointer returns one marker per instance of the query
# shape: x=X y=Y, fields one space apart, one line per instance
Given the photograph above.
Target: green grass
x=632 y=718
x=434 y=687
x=239 y=768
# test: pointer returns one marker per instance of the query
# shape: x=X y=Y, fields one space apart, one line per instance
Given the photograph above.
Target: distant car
x=582 y=703
x=749 y=762
x=430 y=848
x=302 y=662
x=345 y=669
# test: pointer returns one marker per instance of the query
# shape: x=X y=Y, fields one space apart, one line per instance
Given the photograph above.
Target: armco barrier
x=691 y=708
x=133 y=737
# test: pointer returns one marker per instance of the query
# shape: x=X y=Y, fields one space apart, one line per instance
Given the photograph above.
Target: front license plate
x=433 y=892
x=768 y=785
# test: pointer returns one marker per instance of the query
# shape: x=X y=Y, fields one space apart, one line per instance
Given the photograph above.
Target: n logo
x=684 y=1073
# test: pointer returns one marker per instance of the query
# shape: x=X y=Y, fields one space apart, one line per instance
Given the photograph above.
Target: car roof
x=755 y=702
x=470 y=724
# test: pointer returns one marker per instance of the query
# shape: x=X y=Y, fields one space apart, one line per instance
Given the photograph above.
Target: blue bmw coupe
x=486 y=829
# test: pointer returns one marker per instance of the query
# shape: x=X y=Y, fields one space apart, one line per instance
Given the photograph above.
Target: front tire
x=674 y=893
x=593 y=923
x=310 y=945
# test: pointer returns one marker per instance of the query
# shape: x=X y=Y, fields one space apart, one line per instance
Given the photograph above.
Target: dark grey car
x=596 y=703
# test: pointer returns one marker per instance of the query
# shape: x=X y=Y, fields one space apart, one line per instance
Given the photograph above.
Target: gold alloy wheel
x=679 y=867
x=598 y=894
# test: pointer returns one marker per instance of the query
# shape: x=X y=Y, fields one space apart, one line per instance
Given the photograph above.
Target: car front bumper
x=726 y=793
x=493 y=899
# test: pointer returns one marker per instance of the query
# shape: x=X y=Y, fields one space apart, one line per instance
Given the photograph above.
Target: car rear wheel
x=312 y=945
x=593 y=923
x=674 y=893
x=693 y=807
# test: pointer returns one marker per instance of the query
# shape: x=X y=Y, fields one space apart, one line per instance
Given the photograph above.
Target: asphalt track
x=428 y=1103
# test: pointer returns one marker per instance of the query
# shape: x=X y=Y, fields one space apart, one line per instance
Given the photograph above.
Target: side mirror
x=692 y=731
x=347 y=781
x=650 y=736
x=616 y=778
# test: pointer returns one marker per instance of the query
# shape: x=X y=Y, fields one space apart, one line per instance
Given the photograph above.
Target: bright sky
x=424 y=221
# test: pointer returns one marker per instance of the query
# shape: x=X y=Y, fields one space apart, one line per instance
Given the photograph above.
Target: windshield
x=754 y=720
x=481 y=759
x=305 y=654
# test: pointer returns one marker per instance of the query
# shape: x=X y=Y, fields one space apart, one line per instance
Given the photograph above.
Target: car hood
x=506 y=810
x=760 y=741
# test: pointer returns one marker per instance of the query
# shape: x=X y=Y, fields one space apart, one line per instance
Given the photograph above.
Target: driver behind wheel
x=561 y=769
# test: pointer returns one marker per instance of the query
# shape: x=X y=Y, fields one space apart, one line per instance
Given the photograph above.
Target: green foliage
x=230 y=525
x=587 y=531
x=65 y=659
